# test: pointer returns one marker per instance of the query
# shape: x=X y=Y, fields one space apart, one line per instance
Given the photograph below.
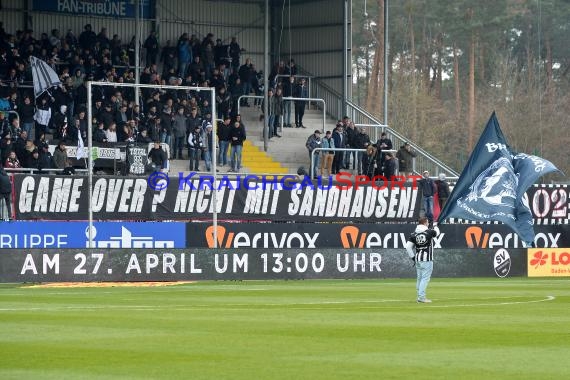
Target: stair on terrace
x=284 y=155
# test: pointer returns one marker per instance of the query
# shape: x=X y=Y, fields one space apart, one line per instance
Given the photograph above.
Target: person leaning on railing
x=46 y=158
x=34 y=161
x=60 y=156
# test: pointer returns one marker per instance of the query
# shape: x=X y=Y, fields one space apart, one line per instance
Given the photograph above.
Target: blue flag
x=493 y=183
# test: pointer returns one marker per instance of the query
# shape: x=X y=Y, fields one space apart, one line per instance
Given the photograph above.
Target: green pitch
x=475 y=329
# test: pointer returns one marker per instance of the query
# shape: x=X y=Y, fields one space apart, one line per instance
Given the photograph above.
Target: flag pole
x=90 y=159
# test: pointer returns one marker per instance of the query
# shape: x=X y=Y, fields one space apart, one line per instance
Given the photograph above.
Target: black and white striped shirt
x=422 y=241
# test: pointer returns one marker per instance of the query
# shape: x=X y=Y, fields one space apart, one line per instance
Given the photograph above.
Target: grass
x=475 y=329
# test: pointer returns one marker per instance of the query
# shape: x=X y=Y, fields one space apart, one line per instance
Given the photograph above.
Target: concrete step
x=258 y=161
x=289 y=150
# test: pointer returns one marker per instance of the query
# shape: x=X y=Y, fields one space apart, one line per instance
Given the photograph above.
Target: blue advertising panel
x=28 y=235
x=102 y=8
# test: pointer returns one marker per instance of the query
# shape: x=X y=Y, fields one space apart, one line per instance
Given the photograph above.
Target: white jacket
x=42 y=116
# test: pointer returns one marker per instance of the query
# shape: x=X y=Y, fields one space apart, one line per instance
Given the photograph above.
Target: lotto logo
x=549 y=262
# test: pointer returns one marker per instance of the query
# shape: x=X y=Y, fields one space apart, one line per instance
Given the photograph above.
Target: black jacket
x=46 y=160
x=361 y=140
x=288 y=88
x=427 y=187
x=442 y=188
x=99 y=136
x=223 y=132
x=26 y=112
x=166 y=122
x=158 y=157
x=239 y=134
x=192 y=123
x=351 y=134
x=5 y=185
x=390 y=168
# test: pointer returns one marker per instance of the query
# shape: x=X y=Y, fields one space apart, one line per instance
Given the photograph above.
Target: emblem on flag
x=493 y=184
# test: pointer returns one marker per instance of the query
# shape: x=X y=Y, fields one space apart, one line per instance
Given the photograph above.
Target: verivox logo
x=227 y=239
x=352 y=237
x=223 y=240
x=548 y=263
x=476 y=238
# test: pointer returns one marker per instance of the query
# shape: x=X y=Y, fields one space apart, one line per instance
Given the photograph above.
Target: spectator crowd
x=179 y=118
x=372 y=159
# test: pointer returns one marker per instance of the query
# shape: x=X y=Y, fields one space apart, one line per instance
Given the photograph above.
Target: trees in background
x=452 y=62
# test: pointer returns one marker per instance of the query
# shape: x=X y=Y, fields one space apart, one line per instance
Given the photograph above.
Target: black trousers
x=299 y=113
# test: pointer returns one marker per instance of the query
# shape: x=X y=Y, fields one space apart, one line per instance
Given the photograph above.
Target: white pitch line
x=189 y=307
x=291 y=306
x=411 y=304
x=277 y=286
x=548 y=298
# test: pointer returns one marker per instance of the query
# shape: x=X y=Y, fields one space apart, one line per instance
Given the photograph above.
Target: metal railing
x=309 y=79
x=339 y=150
x=41 y=171
x=322 y=101
x=423 y=161
x=331 y=98
x=13 y=112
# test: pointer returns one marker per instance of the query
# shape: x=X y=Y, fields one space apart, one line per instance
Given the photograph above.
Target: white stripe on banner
x=43 y=75
x=80 y=147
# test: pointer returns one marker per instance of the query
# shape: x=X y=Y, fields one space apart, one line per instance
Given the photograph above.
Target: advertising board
x=35 y=235
x=549 y=262
x=62 y=265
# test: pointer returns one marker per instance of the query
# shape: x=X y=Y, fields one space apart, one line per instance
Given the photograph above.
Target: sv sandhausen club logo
x=229 y=239
x=502 y=263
